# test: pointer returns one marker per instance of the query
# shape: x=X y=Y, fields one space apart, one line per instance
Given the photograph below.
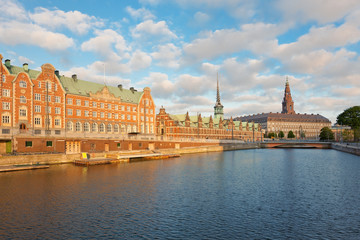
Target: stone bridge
x=290 y=144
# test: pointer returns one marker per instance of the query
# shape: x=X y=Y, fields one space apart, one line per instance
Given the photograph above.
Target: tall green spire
x=218 y=108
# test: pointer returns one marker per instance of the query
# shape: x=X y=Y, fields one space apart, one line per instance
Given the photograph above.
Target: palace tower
x=288 y=103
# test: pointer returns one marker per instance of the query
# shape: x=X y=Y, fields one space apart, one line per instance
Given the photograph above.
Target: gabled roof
x=84 y=88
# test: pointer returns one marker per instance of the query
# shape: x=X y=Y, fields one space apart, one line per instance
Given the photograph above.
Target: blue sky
x=177 y=47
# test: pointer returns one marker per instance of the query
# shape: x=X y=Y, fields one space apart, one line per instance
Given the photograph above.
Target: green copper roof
x=14 y=70
x=81 y=87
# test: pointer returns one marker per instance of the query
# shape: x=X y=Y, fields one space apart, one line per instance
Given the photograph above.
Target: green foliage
x=350 y=117
x=291 y=134
x=281 y=134
x=272 y=135
x=326 y=134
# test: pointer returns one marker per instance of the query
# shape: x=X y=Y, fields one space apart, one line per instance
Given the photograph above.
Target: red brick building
x=43 y=111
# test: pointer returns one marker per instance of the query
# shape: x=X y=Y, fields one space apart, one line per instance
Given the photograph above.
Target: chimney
x=7 y=63
x=132 y=89
x=57 y=73
x=26 y=67
x=74 y=77
x=120 y=86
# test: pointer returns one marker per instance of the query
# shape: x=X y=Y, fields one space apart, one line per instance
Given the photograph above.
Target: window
x=28 y=143
x=86 y=127
x=134 y=117
x=6 y=106
x=94 y=127
x=22 y=99
x=109 y=115
x=116 y=107
x=48 y=85
x=86 y=103
x=102 y=115
x=57 y=122
x=49 y=143
x=142 y=118
x=128 y=108
x=118 y=145
x=78 y=102
x=128 y=117
x=22 y=112
x=6 y=92
x=109 y=128
x=57 y=99
x=70 y=112
x=101 y=105
x=151 y=119
x=122 y=108
x=39 y=84
x=37 y=121
x=109 y=106
x=38 y=96
x=48 y=109
x=86 y=113
x=69 y=101
x=78 y=113
x=78 y=127
x=134 y=109
x=55 y=87
x=37 y=108
x=94 y=104
x=5 y=119
x=122 y=116
x=102 y=127
x=3 y=78
x=116 y=128
x=57 y=110
x=22 y=84
x=94 y=114
x=69 y=126
x=142 y=110
x=49 y=98
x=151 y=111
x=116 y=116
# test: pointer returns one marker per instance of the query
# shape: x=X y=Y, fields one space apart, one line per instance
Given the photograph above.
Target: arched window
x=22 y=84
x=69 y=126
x=94 y=127
x=102 y=127
x=109 y=128
x=116 y=128
x=129 y=128
x=86 y=127
x=134 y=128
x=78 y=127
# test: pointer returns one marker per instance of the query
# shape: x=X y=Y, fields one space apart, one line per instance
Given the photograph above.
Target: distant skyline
x=177 y=47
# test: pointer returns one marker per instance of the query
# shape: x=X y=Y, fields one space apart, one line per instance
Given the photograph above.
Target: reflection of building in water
x=302 y=125
x=185 y=126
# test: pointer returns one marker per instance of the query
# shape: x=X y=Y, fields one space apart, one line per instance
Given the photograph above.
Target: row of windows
x=30 y=143
x=102 y=128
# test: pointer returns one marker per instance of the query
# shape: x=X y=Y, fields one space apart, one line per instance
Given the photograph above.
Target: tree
x=326 y=134
x=291 y=134
x=281 y=134
x=351 y=117
x=271 y=135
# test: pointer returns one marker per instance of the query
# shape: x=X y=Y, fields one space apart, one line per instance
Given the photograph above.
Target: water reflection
x=275 y=194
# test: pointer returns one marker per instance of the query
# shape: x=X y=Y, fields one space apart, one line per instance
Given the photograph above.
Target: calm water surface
x=249 y=194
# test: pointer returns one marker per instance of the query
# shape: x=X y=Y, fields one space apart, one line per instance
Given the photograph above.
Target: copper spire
x=217 y=91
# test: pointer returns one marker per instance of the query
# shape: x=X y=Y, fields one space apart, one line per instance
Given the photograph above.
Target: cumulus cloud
x=150 y=28
x=23 y=59
x=167 y=55
x=140 y=13
x=161 y=86
x=201 y=18
x=139 y=60
x=76 y=21
x=104 y=44
x=322 y=11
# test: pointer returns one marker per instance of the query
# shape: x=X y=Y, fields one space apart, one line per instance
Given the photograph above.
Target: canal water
x=248 y=194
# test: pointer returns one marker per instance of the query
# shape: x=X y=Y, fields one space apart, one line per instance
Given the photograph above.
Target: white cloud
x=25 y=60
x=140 y=60
x=322 y=11
x=201 y=18
x=150 y=28
x=161 y=86
x=167 y=55
x=140 y=13
x=76 y=21
x=105 y=43
x=13 y=33
x=12 y=10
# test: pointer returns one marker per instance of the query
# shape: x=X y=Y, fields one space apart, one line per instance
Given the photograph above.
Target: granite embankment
x=345 y=147
x=69 y=158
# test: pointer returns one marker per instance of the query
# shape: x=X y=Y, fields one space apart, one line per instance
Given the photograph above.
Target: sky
x=178 y=47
